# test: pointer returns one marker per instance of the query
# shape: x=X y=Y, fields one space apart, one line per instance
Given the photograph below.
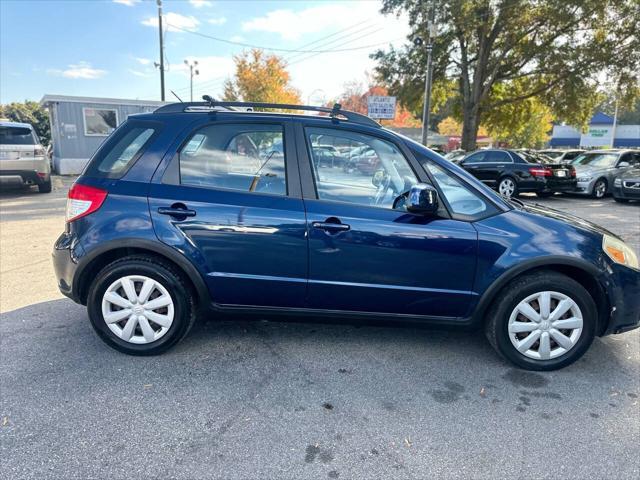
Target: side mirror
x=422 y=199
x=624 y=164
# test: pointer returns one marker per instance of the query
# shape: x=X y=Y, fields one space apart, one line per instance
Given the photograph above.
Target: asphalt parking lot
x=283 y=400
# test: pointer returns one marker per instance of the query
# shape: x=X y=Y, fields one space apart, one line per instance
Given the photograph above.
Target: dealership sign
x=381 y=107
x=597 y=136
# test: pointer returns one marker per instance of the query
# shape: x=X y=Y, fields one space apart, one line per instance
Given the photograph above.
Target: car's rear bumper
x=622 y=285
x=548 y=185
x=65 y=264
x=22 y=177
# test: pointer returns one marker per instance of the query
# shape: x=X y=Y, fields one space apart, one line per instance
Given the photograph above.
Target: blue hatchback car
x=201 y=207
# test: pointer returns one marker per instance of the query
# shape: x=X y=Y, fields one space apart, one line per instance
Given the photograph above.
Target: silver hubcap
x=506 y=187
x=600 y=189
x=545 y=325
x=137 y=309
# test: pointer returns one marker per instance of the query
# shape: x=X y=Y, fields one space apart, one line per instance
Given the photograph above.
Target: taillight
x=38 y=151
x=83 y=200
x=573 y=172
x=541 y=172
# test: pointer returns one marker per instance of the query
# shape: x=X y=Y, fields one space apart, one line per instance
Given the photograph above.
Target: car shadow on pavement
x=312 y=398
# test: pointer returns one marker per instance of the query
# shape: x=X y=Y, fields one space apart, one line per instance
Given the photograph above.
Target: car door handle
x=331 y=227
x=176 y=211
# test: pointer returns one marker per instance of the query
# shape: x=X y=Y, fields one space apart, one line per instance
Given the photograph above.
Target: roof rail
x=213 y=105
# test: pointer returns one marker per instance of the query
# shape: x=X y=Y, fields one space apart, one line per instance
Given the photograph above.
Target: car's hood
x=633 y=174
x=564 y=217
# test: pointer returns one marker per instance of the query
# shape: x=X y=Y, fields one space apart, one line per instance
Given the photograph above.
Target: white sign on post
x=381 y=107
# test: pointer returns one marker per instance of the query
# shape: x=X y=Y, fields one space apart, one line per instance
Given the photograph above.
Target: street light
x=192 y=71
x=431 y=33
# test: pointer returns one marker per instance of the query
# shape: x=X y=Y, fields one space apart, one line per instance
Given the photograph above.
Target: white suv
x=23 y=160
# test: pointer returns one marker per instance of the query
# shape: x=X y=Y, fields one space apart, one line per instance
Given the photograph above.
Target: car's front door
x=230 y=201
x=366 y=256
x=481 y=166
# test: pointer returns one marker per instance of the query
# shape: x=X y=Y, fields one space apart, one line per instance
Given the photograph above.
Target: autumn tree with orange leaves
x=260 y=78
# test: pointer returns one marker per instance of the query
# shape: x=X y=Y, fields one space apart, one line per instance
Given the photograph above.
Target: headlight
x=617 y=182
x=619 y=252
x=584 y=179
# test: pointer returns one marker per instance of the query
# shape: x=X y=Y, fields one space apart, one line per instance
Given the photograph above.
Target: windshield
x=16 y=136
x=604 y=160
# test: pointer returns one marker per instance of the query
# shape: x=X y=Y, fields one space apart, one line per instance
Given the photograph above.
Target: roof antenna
x=176 y=95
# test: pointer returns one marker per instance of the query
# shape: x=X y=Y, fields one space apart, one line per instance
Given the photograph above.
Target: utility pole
x=431 y=33
x=159 y=2
x=192 y=72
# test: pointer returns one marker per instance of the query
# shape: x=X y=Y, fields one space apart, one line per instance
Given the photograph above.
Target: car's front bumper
x=622 y=191
x=622 y=285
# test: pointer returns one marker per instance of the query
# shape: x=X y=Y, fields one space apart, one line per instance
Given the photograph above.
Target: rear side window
x=248 y=158
x=120 y=151
x=497 y=156
x=17 y=136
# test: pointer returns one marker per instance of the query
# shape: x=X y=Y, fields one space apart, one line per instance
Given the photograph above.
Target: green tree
x=555 y=50
x=29 y=112
x=260 y=78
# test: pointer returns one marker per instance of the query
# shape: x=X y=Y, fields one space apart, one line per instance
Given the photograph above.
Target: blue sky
x=106 y=48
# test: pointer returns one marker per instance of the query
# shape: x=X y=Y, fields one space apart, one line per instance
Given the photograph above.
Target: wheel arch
x=97 y=259
x=581 y=271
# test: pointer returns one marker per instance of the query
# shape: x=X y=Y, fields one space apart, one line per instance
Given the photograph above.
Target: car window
x=571 y=155
x=16 y=136
x=121 y=150
x=364 y=170
x=460 y=199
x=478 y=157
x=498 y=156
x=249 y=158
x=604 y=160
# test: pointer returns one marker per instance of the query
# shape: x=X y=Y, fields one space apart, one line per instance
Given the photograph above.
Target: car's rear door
x=230 y=200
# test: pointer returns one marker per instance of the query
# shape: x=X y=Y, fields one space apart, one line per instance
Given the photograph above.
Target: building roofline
x=100 y=100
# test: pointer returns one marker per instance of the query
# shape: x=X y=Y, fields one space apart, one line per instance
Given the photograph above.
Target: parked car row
x=595 y=173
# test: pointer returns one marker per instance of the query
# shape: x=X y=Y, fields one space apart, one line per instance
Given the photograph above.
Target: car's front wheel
x=599 y=188
x=140 y=305
x=542 y=321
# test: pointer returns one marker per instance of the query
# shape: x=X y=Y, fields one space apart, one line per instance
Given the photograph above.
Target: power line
x=346 y=43
x=273 y=49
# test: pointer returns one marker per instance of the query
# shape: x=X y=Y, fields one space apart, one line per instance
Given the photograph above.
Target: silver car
x=23 y=160
x=596 y=169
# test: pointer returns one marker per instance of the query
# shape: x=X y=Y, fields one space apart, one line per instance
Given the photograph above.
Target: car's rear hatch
x=17 y=148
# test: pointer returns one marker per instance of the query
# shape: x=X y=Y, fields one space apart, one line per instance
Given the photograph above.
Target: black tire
x=595 y=192
x=621 y=200
x=45 y=187
x=516 y=191
x=496 y=325
x=545 y=194
x=171 y=280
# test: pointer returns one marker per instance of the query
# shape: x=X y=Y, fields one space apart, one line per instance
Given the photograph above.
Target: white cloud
x=210 y=68
x=217 y=21
x=200 y=3
x=128 y=3
x=82 y=70
x=138 y=73
x=144 y=61
x=293 y=24
x=172 y=20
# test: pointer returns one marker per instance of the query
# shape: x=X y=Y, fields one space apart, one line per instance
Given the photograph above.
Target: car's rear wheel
x=45 y=187
x=141 y=306
x=508 y=187
x=542 y=321
x=599 y=188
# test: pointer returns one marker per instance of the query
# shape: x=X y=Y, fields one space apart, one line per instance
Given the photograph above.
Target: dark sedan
x=512 y=172
x=626 y=186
